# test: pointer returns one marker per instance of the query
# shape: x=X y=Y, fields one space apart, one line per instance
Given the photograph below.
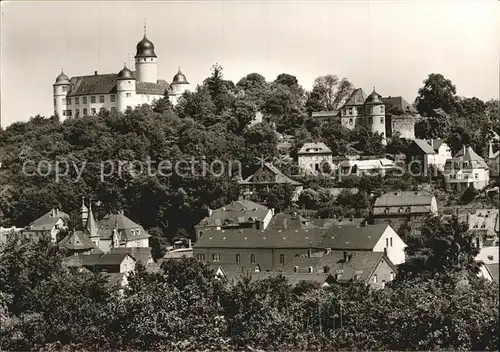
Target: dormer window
x=408 y=209
x=386 y=210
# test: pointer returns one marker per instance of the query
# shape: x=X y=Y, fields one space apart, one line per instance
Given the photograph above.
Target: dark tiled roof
x=469 y=156
x=353 y=237
x=159 y=88
x=47 y=221
x=403 y=198
x=289 y=221
x=357 y=97
x=140 y=254
x=361 y=263
x=234 y=272
x=97 y=259
x=327 y=223
x=78 y=241
x=310 y=148
x=235 y=213
x=400 y=103
x=424 y=146
x=178 y=253
x=124 y=226
x=95 y=84
x=279 y=177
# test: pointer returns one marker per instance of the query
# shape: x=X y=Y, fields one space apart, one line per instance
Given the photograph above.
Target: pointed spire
x=145 y=27
x=91 y=223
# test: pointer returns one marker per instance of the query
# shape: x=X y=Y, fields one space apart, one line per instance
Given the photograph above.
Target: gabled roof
x=325 y=113
x=436 y=143
x=425 y=147
x=493 y=270
x=159 y=88
x=94 y=84
x=289 y=221
x=235 y=213
x=315 y=148
x=362 y=263
x=279 y=177
x=140 y=254
x=124 y=225
x=400 y=103
x=78 y=241
x=468 y=155
x=357 y=97
x=47 y=221
x=97 y=259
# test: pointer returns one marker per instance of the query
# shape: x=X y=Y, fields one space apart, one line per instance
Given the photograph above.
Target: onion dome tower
x=125 y=89
x=179 y=83
x=60 y=91
x=375 y=113
x=146 y=61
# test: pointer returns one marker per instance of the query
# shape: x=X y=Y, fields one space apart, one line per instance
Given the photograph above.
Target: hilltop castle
x=87 y=95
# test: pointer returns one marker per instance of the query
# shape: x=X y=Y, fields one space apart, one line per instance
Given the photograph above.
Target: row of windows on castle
x=93 y=99
x=349 y=111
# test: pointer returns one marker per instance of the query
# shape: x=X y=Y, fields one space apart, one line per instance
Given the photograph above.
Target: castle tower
x=91 y=227
x=179 y=85
x=125 y=89
x=61 y=89
x=375 y=113
x=352 y=111
x=146 y=61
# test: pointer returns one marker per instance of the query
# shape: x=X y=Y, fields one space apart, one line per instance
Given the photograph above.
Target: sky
x=392 y=45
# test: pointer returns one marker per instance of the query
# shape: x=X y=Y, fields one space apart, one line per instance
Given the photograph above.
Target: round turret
x=180 y=78
x=374 y=98
x=375 y=113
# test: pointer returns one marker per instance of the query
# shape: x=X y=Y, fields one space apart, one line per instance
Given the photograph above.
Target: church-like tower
x=375 y=113
x=61 y=89
x=146 y=61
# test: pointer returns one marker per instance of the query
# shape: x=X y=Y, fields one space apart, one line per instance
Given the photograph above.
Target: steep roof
x=436 y=143
x=237 y=212
x=357 y=97
x=124 y=225
x=425 y=147
x=404 y=198
x=178 y=253
x=94 y=84
x=140 y=254
x=362 y=263
x=96 y=259
x=493 y=269
x=469 y=156
x=78 y=241
x=279 y=177
x=159 y=88
x=289 y=221
x=353 y=237
x=47 y=221
x=315 y=148
x=400 y=103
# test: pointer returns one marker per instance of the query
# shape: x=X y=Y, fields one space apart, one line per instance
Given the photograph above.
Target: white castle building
x=87 y=95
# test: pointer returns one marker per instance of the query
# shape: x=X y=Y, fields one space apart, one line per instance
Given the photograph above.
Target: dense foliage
x=437 y=304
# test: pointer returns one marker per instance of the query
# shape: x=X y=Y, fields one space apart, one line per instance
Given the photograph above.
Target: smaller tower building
x=61 y=89
x=125 y=89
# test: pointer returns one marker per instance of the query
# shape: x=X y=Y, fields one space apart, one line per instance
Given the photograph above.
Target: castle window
x=238 y=258
x=200 y=256
x=69 y=101
x=112 y=98
x=92 y=110
x=216 y=257
x=382 y=108
x=252 y=258
x=77 y=101
x=64 y=88
x=92 y=99
x=282 y=259
x=476 y=175
x=350 y=111
x=101 y=99
x=144 y=59
x=129 y=95
x=85 y=111
x=382 y=119
x=84 y=100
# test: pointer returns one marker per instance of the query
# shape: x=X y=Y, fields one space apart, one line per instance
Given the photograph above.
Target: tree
x=329 y=93
x=279 y=197
x=469 y=194
x=437 y=93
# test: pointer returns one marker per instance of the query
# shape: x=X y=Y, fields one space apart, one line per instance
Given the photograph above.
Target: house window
x=350 y=111
x=252 y=258
x=77 y=101
x=129 y=95
x=112 y=98
x=338 y=276
x=69 y=101
x=101 y=99
x=238 y=259
x=392 y=276
x=282 y=259
x=375 y=278
x=215 y=257
x=386 y=210
x=85 y=111
x=476 y=175
x=200 y=256
x=93 y=110
x=84 y=100
x=390 y=241
x=350 y=121
x=381 y=110
x=64 y=100
x=92 y=99
x=387 y=242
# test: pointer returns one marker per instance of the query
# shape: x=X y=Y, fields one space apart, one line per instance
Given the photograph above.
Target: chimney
x=346 y=257
x=53 y=212
x=57 y=211
x=326 y=269
x=258 y=224
x=95 y=73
